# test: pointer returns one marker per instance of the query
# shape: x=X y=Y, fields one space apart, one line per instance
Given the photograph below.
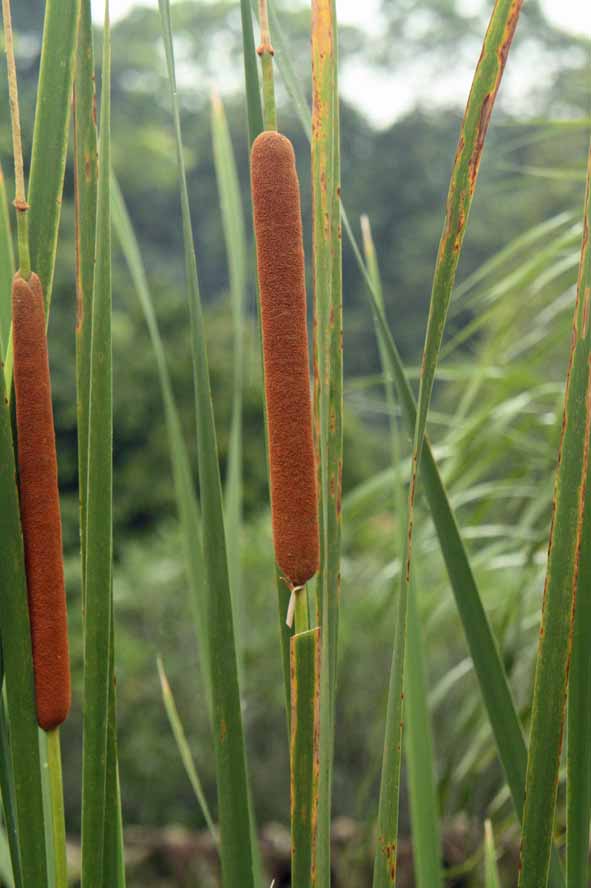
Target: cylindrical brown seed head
x=280 y=260
x=39 y=504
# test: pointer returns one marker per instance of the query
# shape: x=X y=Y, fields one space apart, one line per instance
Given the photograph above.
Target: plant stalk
x=20 y=201
x=58 y=825
x=266 y=53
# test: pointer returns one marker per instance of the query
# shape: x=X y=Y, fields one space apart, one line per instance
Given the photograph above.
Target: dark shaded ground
x=176 y=857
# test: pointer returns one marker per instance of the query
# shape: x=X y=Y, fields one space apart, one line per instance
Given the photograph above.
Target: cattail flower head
x=39 y=504
x=281 y=270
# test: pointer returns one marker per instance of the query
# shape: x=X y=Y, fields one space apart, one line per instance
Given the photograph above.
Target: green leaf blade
x=50 y=136
x=99 y=542
x=233 y=796
x=304 y=756
x=554 y=648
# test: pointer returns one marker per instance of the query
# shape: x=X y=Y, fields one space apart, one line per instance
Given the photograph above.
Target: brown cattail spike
x=280 y=260
x=39 y=503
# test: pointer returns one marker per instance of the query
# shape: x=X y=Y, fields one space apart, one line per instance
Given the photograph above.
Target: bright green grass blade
x=184 y=750
x=50 y=136
x=235 y=239
x=491 y=873
x=419 y=746
x=18 y=666
x=328 y=391
x=554 y=647
x=86 y=180
x=485 y=85
x=8 y=797
x=251 y=74
x=463 y=180
x=488 y=665
x=304 y=756
x=99 y=548
x=233 y=804
x=184 y=483
x=6 y=267
x=85 y=201
x=420 y=759
x=5 y=864
x=113 y=852
x=578 y=786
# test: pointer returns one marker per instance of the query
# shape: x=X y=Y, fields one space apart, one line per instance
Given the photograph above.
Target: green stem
x=17 y=147
x=54 y=758
x=302 y=618
x=24 y=256
x=266 y=52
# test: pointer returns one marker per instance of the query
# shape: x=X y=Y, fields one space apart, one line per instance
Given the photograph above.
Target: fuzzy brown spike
x=280 y=260
x=39 y=504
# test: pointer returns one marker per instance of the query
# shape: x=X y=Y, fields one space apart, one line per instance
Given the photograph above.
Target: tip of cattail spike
x=39 y=504
x=280 y=262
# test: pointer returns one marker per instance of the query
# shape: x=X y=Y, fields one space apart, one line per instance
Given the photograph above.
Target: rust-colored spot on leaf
x=223 y=730
x=485 y=115
x=509 y=33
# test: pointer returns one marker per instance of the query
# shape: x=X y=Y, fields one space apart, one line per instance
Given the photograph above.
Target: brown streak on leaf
x=485 y=115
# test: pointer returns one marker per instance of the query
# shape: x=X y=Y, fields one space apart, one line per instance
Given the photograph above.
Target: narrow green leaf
x=85 y=202
x=578 y=784
x=554 y=647
x=304 y=756
x=113 y=851
x=328 y=381
x=50 y=135
x=485 y=85
x=233 y=798
x=184 y=750
x=235 y=239
x=18 y=666
x=6 y=267
x=184 y=483
x=420 y=759
x=99 y=538
x=419 y=746
x=491 y=873
x=8 y=796
x=5 y=864
x=483 y=648
x=463 y=181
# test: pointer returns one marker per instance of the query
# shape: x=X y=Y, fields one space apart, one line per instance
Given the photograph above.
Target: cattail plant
x=280 y=261
x=39 y=502
x=37 y=460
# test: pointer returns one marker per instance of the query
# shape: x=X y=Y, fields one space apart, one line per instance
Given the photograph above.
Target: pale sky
x=385 y=98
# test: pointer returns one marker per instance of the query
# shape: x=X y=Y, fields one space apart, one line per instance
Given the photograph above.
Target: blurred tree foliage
x=399 y=176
